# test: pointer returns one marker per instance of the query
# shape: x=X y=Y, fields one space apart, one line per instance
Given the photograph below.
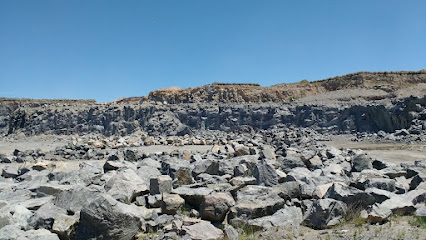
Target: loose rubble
x=273 y=183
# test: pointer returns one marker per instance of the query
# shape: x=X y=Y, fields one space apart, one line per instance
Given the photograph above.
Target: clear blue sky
x=111 y=49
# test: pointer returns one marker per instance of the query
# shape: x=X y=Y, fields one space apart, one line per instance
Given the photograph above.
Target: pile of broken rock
x=276 y=178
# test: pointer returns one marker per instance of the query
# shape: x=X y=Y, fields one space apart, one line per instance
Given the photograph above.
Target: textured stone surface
x=106 y=218
x=325 y=213
x=215 y=206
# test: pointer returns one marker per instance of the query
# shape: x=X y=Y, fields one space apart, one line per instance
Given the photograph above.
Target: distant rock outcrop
x=387 y=82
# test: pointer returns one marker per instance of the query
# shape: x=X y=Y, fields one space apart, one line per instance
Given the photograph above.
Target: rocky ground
x=337 y=165
x=273 y=184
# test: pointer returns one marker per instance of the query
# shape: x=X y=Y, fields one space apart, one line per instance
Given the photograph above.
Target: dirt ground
x=388 y=152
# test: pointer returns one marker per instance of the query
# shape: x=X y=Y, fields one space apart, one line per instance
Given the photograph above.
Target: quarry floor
x=389 y=152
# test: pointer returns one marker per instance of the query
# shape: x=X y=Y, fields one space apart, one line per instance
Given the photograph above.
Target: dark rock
x=125 y=186
x=171 y=203
x=256 y=201
x=215 y=206
x=349 y=195
x=45 y=216
x=325 y=213
x=193 y=196
x=131 y=156
x=361 y=162
x=181 y=130
x=380 y=183
x=288 y=190
x=106 y=218
x=290 y=162
x=7 y=159
x=178 y=169
x=288 y=216
x=265 y=174
x=379 y=194
x=160 y=184
x=231 y=233
x=419 y=178
x=10 y=172
x=75 y=199
x=206 y=166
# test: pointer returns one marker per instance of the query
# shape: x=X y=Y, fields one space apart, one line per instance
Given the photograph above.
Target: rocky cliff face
x=388 y=82
x=116 y=119
x=231 y=107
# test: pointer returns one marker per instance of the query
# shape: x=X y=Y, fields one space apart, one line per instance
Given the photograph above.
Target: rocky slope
x=388 y=82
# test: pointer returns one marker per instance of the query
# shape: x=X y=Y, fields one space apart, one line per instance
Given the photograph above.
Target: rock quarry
x=228 y=161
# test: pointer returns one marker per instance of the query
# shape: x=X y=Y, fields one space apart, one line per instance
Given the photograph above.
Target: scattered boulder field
x=262 y=168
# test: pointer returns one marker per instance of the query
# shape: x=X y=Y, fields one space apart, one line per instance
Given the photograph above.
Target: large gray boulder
x=199 y=229
x=401 y=204
x=126 y=186
x=10 y=171
x=147 y=172
x=193 y=196
x=64 y=226
x=288 y=216
x=381 y=183
x=256 y=201
x=178 y=169
x=268 y=152
x=209 y=166
x=349 y=195
x=45 y=216
x=106 y=218
x=361 y=162
x=5 y=215
x=20 y=216
x=288 y=190
x=265 y=174
x=404 y=203
x=10 y=232
x=325 y=213
x=160 y=184
x=215 y=206
x=290 y=162
x=150 y=163
x=50 y=188
x=75 y=199
x=171 y=203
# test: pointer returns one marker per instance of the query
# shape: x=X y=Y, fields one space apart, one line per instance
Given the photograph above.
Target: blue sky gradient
x=111 y=49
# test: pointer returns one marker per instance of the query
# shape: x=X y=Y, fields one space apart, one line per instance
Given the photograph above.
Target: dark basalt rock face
x=113 y=119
